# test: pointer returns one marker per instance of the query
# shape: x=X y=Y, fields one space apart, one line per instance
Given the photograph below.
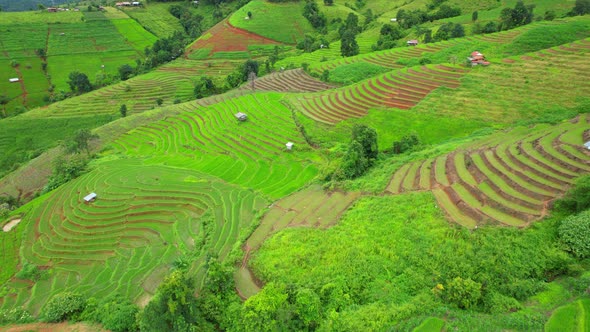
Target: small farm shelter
x=90 y=197
x=241 y=116
x=477 y=58
x=13 y=80
x=52 y=9
x=587 y=145
x=136 y=3
x=289 y=145
x=393 y=20
x=412 y=42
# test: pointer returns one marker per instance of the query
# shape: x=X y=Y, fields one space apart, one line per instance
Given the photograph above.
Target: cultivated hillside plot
x=550 y=80
x=95 y=44
x=509 y=179
x=281 y=21
x=125 y=241
x=400 y=89
x=295 y=80
x=251 y=154
x=224 y=37
x=311 y=207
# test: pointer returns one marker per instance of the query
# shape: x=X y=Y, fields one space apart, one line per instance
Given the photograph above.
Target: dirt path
x=58 y=327
x=10 y=225
x=22 y=84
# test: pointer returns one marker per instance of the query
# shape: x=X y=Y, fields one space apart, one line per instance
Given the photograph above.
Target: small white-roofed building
x=90 y=197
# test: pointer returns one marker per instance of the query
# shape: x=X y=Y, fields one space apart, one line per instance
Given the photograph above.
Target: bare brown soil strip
x=510 y=182
x=465 y=208
x=522 y=175
x=547 y=164
x=56 y=327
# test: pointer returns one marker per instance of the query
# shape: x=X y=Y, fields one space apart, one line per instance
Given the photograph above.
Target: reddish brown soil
x=47 y=327
x=227 y=38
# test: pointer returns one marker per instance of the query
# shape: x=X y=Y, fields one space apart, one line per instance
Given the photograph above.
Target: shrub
x=29 y=272
x=15 y=316
x=355 y=162
x=405 y=143
x=496 y=303
x=574 y=232
x=577 y=199
x=63 y=306
x=465 y=293
x=118 y=314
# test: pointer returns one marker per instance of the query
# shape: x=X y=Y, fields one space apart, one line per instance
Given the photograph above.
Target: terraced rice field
x=571 y=317
x=510 y=179
x=537 y=74
x=139 y=94
x=295 y=80
x=397 y=89
x=125 y=241
x=156 y=18
x=83 y=46
x=250 y=154
x=224 y=37
x=311 y=207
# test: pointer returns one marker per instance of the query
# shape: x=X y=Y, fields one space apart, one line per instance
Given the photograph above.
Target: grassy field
x=388 y=253
x=21 y=140
x=263 y=23
x=155 y=18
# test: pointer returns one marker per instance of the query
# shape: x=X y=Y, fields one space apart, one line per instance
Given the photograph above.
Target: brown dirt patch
x=59 y=327
x=226 y=38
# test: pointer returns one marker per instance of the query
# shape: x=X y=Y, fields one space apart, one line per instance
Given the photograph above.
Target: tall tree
x=367 y=137
x=123 y=110
x=349 y=46
x=355 y=162
x=351 y=24
x=79 y=82
x=582 y=7
x=81 y=141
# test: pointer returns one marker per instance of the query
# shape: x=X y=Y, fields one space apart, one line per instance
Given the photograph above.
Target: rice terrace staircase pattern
x=144 y=217
x=400 y=89
x=510 y=179
x=295 y=80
